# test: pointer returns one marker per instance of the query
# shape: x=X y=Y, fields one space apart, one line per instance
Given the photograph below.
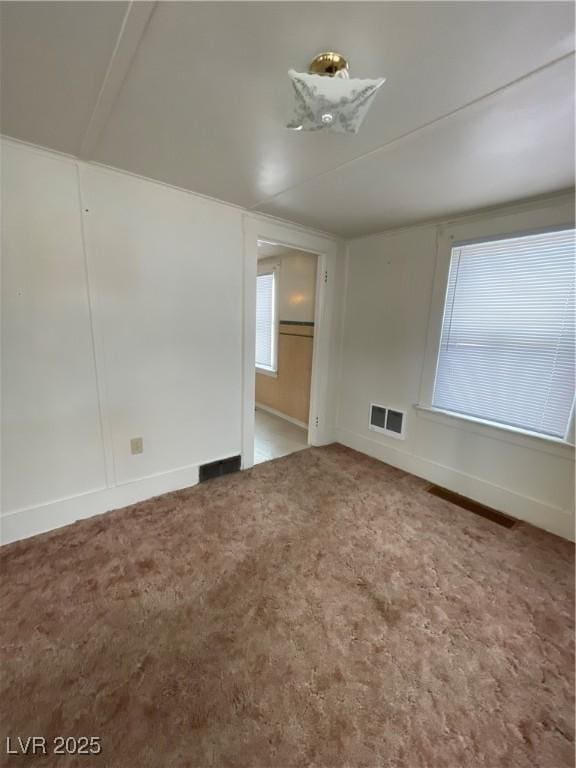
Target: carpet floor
x=319 y=610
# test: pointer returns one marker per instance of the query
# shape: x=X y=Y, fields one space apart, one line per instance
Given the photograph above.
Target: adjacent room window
x=266 y=334
x=507 y=343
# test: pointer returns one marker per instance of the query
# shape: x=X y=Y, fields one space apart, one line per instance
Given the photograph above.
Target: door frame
x=326 y=249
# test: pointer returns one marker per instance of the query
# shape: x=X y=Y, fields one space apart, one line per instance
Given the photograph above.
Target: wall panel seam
x=96 y=343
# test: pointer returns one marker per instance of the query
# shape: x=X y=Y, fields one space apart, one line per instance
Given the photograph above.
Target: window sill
x=267 y=372
x=496 y=431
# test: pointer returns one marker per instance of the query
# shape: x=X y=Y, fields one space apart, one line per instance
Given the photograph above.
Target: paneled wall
x=51 y=432
x=390 y=282
x=289 y=391
x=121 y=318
x=167 y=277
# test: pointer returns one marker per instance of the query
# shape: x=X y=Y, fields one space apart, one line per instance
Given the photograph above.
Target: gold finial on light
x=328 y=64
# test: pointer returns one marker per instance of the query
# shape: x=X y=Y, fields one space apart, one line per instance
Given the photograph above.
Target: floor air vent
x=387 y=420
x=472 y=506
x=218 y=468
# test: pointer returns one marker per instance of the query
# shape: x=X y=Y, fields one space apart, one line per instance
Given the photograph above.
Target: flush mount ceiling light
x=328 y=99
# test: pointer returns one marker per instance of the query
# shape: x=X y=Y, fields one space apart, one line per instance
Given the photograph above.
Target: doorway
x=284 y=342
x=262 y=229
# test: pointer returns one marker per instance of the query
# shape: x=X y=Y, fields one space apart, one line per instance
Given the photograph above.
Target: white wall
x=296 y=283
x=52 y=441
x=166 y=273
x=389 y=287
x=130 y=326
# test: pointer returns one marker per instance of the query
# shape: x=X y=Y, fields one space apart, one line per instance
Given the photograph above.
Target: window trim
x=496 y=431
x=446 y=241
x=267 y=371
x=272 y=269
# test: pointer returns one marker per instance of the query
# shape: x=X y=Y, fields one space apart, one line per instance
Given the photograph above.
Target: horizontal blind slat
x=508 y=336
x=265 y=320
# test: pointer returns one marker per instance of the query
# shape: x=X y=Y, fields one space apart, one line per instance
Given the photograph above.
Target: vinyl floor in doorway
x=321 y=609
x=275 y=437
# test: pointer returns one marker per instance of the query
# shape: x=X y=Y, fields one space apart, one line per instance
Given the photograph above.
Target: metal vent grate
x=394 y=421
x=378 y=416
x=472 y=506
x=219 y=468
x=390 y=421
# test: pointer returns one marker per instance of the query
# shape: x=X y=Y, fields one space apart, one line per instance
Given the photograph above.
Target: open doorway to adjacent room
x=285 y=313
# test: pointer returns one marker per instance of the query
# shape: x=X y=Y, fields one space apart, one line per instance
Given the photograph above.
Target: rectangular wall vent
x=218 y=468
x=389 y=421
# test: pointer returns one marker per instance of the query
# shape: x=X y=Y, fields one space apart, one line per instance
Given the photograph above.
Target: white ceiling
x=477 y=109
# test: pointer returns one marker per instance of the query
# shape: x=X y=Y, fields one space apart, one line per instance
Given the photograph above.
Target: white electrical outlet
x=136 y=445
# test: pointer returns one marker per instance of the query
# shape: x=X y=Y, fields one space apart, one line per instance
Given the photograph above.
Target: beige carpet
x=319 y=610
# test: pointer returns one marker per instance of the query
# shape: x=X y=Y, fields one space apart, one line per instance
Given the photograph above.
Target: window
x=266 y=321
x=507 y=342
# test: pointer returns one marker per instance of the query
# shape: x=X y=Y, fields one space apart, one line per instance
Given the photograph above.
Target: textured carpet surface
x=319 y=610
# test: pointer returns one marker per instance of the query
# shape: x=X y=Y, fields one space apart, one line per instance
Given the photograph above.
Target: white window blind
x=507 y=344
x=265 y=321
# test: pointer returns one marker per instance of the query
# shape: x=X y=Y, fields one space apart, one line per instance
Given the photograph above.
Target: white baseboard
x=28 y=522
x=281 y=415
x=553 y=519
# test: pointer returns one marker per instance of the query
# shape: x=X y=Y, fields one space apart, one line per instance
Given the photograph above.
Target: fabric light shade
x=507 y=347
x=336 y=104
